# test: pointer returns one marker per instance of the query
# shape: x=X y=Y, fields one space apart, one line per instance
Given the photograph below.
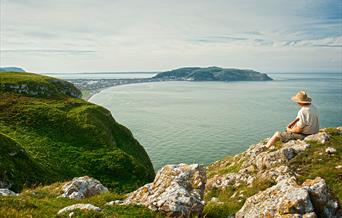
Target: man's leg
x=273 y=140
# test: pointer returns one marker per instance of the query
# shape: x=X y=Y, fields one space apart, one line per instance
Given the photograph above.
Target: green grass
x=38 y=85
x=230 y=205
x=69 y=137
x=315 y=162
x=43 y=202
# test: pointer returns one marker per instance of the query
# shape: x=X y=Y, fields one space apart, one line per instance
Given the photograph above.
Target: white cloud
x=105 y=35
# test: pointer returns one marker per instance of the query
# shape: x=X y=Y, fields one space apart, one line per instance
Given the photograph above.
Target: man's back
x=308 y=119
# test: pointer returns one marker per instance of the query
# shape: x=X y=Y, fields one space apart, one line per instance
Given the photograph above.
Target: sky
x=49 y=36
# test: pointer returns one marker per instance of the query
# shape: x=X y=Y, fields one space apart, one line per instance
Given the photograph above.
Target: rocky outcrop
x=7 y=192
x=284 y=197
x=83 y=187
x=78 y=206
x=177 y=191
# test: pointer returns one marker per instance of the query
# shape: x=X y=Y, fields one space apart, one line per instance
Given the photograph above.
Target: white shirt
x=308 y=119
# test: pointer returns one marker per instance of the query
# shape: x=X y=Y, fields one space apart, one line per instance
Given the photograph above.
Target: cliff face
x=212 y=74
x=66 y=136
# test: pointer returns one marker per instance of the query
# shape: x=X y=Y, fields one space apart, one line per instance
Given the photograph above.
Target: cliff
x=62 y=136
x=212 y=74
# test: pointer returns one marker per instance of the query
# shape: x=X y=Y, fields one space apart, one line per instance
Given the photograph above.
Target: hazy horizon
x=157 y=35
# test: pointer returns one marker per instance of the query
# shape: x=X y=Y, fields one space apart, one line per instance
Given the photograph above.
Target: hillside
x=64 y=136
x=212 y=74
x=11 y=69
x=274 y=182
x=296 y=179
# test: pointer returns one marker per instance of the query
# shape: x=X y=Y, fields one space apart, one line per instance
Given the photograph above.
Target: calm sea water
x=200 y=122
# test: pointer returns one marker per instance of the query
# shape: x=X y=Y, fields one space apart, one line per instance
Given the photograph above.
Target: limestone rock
x=325 y=205
x=287 y=199
x=83 y=187
x=177 y=191
x=7 y=192
x=79 y=206
x=284 y=198
x=320 y=137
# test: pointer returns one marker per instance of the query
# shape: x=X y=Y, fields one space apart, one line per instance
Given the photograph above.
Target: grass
x=33 y=84
x=43 y=202
x=68 y=137
x=315 y=162
x=231 y=199
x=227 y=165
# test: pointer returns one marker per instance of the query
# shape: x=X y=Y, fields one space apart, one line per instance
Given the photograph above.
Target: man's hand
x=292 y=123
x=296 y=129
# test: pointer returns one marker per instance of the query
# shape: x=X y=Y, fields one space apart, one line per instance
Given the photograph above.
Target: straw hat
x=301 y=97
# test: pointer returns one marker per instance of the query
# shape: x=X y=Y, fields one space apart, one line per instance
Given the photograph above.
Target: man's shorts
x=287 y=136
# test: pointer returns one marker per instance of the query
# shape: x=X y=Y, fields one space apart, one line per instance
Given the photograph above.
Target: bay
x=200 y=122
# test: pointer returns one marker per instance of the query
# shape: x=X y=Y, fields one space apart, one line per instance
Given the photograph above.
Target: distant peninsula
x=89 y=87
x=12 y=69
x=212 y=74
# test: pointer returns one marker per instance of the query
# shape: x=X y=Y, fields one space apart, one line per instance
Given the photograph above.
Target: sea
x=201 y=122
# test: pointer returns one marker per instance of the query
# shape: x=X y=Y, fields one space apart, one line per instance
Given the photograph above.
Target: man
x=306 y=122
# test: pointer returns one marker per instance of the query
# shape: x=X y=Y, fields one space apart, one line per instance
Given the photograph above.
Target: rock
x=338 y=167
x=330 y=150
x=287 y=199
x=325 y=205
x=321 y=137
x=177 y=191
x=284 y=198
x=83 y=187
x=7 y=192
x=78 y=206
x=116 y=202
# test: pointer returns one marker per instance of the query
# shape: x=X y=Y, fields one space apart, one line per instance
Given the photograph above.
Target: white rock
x=83 y=187
x=79 y=206
x=330 y=150
x=321 y=137
x=7 y=192
x=177 y=191
x=283 y=198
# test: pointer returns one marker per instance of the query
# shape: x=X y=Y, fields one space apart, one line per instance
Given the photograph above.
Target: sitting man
x=306 y=122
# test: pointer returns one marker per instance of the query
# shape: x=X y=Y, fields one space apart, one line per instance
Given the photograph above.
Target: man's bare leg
x=273 y=139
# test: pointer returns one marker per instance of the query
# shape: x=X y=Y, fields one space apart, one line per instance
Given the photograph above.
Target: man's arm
x=293 y=123
x=295 y=129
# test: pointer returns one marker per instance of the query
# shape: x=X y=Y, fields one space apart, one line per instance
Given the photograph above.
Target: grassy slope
x=14 y=160
x=43 y=202
x=310 y=164
x=71 y=137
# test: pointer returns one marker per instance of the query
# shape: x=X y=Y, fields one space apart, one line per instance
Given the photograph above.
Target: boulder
x=287 y=199
x=284 y=198
x=82 y=187
x=321 y=137
x=79 y=206
x=325 y=205
x=177 y=191
x=7 y=192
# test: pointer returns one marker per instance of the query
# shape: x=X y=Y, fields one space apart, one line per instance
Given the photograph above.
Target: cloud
x=42 y=51
x=159 y=34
